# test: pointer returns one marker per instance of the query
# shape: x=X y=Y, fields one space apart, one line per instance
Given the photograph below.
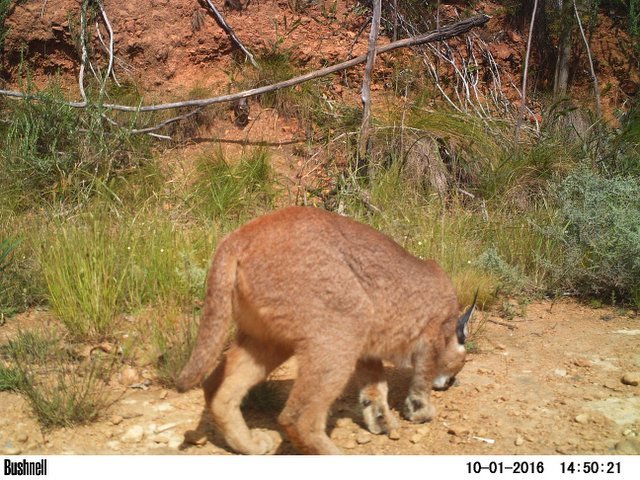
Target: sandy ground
x=547 y=382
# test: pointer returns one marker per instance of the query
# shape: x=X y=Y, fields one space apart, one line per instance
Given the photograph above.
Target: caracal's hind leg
x=371 y=380
x=247 y=364
x=322 y=376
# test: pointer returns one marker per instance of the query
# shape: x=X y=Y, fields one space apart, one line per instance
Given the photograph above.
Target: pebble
x=560 y=372
x=632 y=379
x=116 y=419
x=134 y=434
x=363 y=438
x=114 y=445
x=394 y=434
x=160 y=438
x=344 y=422
x=519 y=441
x=350 y=444
x=416 y=438
x=582 y=419
x=22 y=437
x=582 y=362
x=129 y=376
x=163 y=394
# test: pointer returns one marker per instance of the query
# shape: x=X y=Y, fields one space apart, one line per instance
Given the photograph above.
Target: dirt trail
x=551 y=384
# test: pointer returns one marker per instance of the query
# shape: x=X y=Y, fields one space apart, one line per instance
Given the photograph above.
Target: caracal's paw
x=418 y=409
x=378 y=418
x=261 y=444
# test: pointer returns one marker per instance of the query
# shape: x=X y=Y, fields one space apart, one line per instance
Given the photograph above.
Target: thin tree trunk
x=363 y=150
x=561 y=77
x=526 y=71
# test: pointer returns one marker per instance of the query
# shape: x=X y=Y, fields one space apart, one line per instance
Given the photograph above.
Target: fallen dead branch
x=230 y=32
x=444 y=33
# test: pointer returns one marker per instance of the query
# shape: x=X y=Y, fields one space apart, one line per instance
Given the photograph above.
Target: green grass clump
x=101 y=266
x=11 y=379
x=226 y=189
x=62 y=390
x=85 y=276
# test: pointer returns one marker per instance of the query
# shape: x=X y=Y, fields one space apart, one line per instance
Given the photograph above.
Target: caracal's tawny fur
x=339 y=295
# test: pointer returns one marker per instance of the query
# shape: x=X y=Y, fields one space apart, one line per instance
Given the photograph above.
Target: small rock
x=582 y=362
x=363 y=438
x=416 y=438
x=114 y=445
x=582 y=419
x=560 y=372
x=519 y=441
x=344 y=422
x=160 y=438
x=163 y=407
x=10 y=449
x=632 y=379
x=163 y=394
x=628 y=446
x=134 y=434
x=195 y=438
x=627 y=432
x=394 y=434
x=500 y=346
x=350 y=444
x=422 y=430
x=22 y=437
x=129 y=376
x=116 y=419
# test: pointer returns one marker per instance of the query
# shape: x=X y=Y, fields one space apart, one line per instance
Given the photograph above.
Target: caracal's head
x=452 y=357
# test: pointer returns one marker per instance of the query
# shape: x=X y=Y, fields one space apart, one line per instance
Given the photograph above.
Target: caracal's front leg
x=376 y=414
x=417 y=405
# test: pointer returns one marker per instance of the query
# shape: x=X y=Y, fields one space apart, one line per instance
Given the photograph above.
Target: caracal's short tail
x=215 y=321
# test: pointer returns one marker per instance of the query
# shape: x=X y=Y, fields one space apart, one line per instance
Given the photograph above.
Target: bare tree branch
x=232 y=35
x=111 y=46
x=444 y=33
x=84 y=55
x=596 y=88
x=526 y=71
x=363 y=149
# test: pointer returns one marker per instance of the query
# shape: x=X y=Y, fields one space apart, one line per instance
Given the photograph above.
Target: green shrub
x=602 y=235
x=54 y=152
